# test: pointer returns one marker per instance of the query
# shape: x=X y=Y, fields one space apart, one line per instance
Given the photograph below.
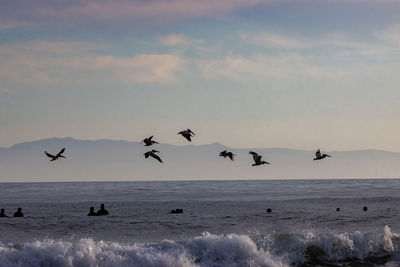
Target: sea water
x=224 y=223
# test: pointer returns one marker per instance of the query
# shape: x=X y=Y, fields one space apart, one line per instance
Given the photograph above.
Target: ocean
x=224 y=223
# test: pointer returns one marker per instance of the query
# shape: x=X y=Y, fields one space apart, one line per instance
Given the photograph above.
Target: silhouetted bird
x=187 y=134
x=227 y=154
x=257 y=159
x=149 y=142
x=152 y=153
x=56 y=157
x=319 y=156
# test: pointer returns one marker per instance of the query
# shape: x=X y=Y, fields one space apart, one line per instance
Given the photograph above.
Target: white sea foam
x=205 y=250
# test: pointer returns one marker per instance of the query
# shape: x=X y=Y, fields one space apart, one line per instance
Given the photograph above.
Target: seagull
x=318 y=155
x=187 y=134
x=152 y=153
x=257 y=159
x=56 y=157
x=227 y=154
x=149 y=142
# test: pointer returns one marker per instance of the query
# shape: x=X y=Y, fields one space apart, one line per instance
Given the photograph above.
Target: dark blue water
x=224 y=223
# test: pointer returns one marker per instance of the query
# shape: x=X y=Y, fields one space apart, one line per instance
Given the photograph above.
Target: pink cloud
x=44 y=63
x=136 y=9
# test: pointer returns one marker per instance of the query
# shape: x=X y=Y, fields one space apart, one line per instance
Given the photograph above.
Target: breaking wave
x=293 y=249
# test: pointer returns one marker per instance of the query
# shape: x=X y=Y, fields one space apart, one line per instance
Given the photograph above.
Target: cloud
x=73 y=10
x=264 y=67
x=383 y=45
x=51 y=63
x=390 y=35
x=9 y=25
x=178 y=40
x=272 y=40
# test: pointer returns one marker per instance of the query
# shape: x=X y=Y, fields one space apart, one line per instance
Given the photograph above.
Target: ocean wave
x=293 y=249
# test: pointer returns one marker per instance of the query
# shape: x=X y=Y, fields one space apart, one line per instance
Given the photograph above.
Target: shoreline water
x=224 y=223
x=199 y=180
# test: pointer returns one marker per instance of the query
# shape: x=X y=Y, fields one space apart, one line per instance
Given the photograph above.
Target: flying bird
x=187 y=134
x=153 y=154
x=227 y=154
x=149 y=142
x=257 y=159
x=56 y=157
x=318 y=155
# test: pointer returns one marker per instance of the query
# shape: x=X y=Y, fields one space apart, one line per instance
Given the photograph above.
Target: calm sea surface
x=224 y=223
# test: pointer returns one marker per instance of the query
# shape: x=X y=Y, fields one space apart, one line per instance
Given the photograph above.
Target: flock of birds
x=188 y=134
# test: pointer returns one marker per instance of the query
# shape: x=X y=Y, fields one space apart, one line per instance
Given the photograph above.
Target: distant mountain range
x=109 y=160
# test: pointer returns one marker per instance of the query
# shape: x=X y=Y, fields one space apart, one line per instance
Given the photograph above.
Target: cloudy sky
x=245 y=73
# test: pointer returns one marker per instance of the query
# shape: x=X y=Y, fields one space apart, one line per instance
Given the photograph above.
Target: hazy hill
x=122 y=160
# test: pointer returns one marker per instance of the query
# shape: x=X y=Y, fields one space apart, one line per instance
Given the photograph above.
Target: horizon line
x=191 y=144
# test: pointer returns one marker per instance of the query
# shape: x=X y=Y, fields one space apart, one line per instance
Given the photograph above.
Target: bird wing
x=155 y=151
x=222 y=153
x=156 y=157
x=318 y=153
x=150 y=137
x=187 y=136
x=61 y=151
x=49 y=155
x=190 y=131
x=230 y=155
x=256 y=158
x=146 y=155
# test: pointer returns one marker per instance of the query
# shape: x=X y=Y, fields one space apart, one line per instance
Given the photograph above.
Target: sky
x=301 y=74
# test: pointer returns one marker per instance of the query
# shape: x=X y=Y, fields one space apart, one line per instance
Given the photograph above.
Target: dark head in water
x=102 y=211
x=177 y=211
x=19 y=213
x=269 y=210
x=365 y=208
x=2 y=213
x=319 y=156
x=92 y=212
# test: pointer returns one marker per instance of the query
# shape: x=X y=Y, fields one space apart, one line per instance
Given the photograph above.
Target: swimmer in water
x=2 y=213
x=92 y=212
x=19 y=213
x=102 y=211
